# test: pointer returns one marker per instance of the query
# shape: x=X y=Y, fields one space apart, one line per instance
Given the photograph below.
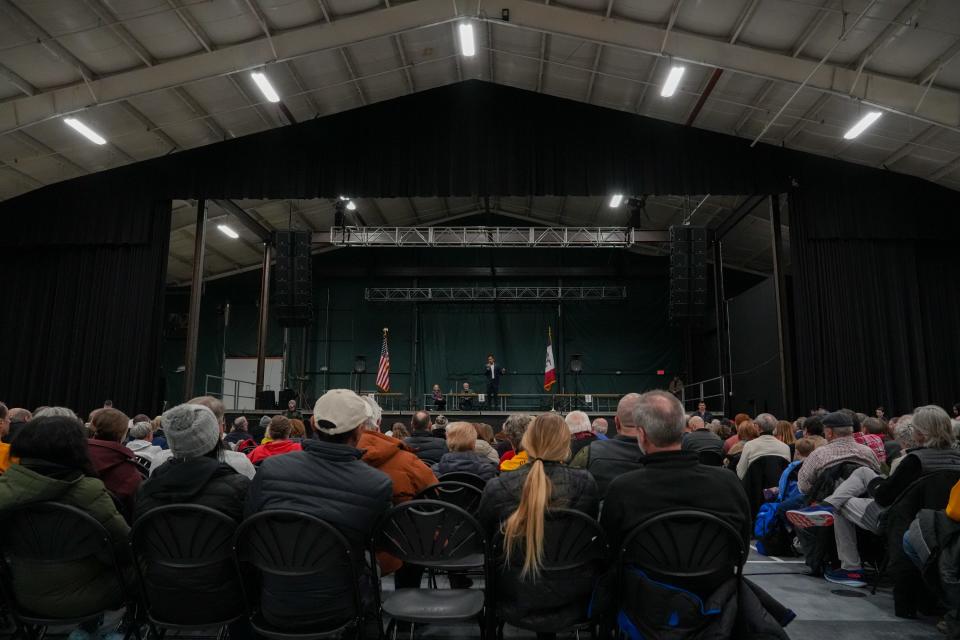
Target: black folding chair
x=52 y=534
x=283 y=545
x=575 y=556
x=466 y=478
x=439 y=536
x=183 y=554
x=710 y=457
x=466 y=496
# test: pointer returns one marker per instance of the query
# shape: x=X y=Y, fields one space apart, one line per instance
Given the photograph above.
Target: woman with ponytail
x=516 y=504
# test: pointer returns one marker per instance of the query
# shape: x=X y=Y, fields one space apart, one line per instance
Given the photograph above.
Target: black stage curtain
x=876 y=306
x=82 y=319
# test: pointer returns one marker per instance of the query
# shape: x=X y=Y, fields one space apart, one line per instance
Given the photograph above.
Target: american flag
x=383 y=371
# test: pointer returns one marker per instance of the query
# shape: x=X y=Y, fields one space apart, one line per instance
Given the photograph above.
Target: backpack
x=772 y=537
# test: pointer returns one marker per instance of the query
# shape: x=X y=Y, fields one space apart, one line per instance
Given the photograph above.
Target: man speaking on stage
x=493 y=374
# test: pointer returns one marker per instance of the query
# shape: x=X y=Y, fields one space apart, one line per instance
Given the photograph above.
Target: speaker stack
x=293 y=278
x=688 y=272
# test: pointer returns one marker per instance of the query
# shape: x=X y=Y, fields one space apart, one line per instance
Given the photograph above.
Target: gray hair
x=376 y=414
x=625 y=410
x=956 y=428
x=695 y=422
x=661 y=416
x=599 y=425
x=56 y=412
x=577 y=421
x=140 y=430
x=905 y=433
x=515 y=426
x=240 y=423
x=766 y=423
x=933 y=427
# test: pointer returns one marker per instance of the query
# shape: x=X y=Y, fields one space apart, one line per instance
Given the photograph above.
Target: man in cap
x=330 y=481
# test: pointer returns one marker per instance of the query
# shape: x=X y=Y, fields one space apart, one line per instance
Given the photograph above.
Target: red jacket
x=273 y=448
x=115 y=466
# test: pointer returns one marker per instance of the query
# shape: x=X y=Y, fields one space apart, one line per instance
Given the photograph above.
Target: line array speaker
x=688 y=272
x=293 y=278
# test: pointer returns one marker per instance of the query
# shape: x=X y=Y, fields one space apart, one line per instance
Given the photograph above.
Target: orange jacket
x=953 y=505
x=5 y=460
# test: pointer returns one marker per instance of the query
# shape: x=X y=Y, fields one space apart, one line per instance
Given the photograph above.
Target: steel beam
x=493 y=237
x=500 y=294
x=264 y=317
x=737 y=215
x=244 y=217
x=783 y=319
x=196 y=293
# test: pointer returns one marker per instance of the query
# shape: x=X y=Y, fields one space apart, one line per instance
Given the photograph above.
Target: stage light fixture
x=85 y=131
x=360 y=364
x=467 y=45
x=227 y=231
x=576 y=363
x=351 y=205
x=615 y=200
x=862 y=125
x=673 y=79
x=263 y=83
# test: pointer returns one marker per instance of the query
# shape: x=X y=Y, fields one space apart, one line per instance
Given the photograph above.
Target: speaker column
x=293 y=278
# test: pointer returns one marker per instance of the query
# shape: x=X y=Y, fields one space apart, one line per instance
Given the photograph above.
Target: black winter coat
x=428 y=447
x=194 y=595
x=465 y=462
x=331 y=482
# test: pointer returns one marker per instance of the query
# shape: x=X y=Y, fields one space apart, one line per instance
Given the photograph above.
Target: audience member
x=4 y=431
x=905 y=435
x=427 y=447
x=702 y=413
x=766 y=444
x=669 y=478
x=238 y=432
x=326 y=479
x=746 y=431
x=813 y=429
x=439 y=400
x=581 y=433
x=608 y=460
x=292 y=413
x=159 y=438
x=259 y=432
x=55 y=467
x=735 y=437
x=698 y=437
x=399 y=431
x=599 y=427
x=235 y=459
x=840 y=448
x=298 y=430
x=485 y=440
x=784 y=432
x=196 y=474
x=392 y=456
x=112 y=461
x=864 y=437
x=502 y=443
x=278 y=436
x=440 y=427
x=514 y=427
x=141 y=443
x=880 y=428
x=462 y=455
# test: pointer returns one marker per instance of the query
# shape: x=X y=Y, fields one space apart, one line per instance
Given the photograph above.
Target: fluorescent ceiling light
x=615 y=200
x=351 y=205
x=467 y=46
x=265 y=87
x=227 y=231
x=85 y=131
x=862 y=125
x=673 y=79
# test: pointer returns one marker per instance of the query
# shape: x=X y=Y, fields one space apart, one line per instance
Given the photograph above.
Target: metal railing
x=711 y=389
x=600 y=402
x=502 y=294
x=233 y=400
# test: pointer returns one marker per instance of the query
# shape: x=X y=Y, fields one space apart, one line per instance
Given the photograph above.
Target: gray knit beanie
x=191 y=430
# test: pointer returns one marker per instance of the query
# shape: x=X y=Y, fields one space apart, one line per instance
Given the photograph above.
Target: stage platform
x=493 y=418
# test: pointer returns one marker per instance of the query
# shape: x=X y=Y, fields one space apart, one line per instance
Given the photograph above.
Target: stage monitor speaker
x=293 y=278
x=286 y=395
x=688 y=272
x=267 y=400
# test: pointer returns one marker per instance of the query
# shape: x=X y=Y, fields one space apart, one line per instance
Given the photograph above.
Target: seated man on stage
x=468 y=394
x=493 y=373
x=439 y=401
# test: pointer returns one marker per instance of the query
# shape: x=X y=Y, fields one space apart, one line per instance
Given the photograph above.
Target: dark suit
x=706 y=416
x=492 y=372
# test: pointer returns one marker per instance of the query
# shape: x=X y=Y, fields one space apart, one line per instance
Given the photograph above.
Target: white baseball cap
x=340 y=411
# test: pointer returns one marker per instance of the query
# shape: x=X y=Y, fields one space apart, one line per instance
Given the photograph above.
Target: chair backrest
x=466 y=496
x=710 y=457
x=184 y=553
x=465 y=477
x=283 y=543
x=430 y=531
x=686 y=545
x=571 y=539
x=51 y=533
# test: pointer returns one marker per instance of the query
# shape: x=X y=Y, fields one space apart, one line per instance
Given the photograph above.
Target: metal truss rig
x=552 y=237
x=500 y=294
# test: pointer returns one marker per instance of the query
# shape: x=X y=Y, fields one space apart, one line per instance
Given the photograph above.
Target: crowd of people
x=814 y=486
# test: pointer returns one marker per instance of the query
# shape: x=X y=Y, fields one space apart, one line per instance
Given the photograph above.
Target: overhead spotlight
x=263 y=83
x=344 y=198
x=85 y=131
x=467 y=45
x=615 y=200
x=862 y=125
x=351 y=205
x=227 y=231
x=673 y=79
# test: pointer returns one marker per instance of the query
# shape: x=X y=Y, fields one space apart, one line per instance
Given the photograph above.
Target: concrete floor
x=824 y=611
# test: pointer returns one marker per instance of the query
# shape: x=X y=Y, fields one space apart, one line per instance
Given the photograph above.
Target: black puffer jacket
x=331 y=482
x=563 y=599
x=428 y=447
x=174 y=593
x=465 y=462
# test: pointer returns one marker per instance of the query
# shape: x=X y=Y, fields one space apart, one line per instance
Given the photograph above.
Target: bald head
x=624 y=418
x=694 y=423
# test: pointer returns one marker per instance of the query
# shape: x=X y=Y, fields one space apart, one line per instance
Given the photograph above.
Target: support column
x=723 y=335
x=196 y=293
x=783 y=319
x=264 y=314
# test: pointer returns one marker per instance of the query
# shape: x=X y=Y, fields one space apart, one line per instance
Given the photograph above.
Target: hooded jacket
x=428 y=447
x=115 y=465
x=486 y=450
x=80 y=586
x=146 y=450
x=465 y=462
x=407 y=472
x=210 y=483
x=272 y=448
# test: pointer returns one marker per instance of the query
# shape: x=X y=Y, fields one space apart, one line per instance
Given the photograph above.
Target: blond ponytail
x=547 y=439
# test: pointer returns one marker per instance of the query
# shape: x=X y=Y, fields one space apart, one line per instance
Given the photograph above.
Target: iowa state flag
x=549 y=370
